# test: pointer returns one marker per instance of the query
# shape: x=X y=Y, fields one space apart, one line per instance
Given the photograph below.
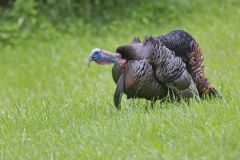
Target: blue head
x=101 y=56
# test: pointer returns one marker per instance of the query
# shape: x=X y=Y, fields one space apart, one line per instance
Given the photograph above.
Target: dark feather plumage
x=186 y=47
x=119 y=91
x=171 y=63
x=136 y=40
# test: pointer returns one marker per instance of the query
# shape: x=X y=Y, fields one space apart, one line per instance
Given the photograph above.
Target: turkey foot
x=122 y=63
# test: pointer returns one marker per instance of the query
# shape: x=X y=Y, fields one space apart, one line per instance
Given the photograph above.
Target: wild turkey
x=168 y=66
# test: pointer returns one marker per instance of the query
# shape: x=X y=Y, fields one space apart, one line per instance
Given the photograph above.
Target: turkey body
x=170 y=64
x=140 y=81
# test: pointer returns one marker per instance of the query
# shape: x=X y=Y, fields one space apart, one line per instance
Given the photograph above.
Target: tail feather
x=196 y=69
x=186 y=47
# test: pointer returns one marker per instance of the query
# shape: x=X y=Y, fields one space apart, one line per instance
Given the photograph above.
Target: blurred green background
x=20 y=18
x=52 y=106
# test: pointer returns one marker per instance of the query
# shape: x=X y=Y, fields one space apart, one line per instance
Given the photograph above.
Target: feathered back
x=186 y=47
x=137 y=50
x=131 y=51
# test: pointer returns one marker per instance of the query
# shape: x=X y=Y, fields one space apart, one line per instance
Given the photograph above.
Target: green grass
x=52 y=106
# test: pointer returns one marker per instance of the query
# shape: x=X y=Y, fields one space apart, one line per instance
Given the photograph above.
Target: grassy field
x=52 y=106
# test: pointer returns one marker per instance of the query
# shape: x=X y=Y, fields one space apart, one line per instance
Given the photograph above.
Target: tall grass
x=52 y=106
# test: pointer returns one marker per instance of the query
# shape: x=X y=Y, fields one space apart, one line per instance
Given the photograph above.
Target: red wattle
x=103 y=62
x=122 y=62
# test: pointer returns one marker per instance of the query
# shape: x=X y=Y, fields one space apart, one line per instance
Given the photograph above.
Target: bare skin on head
x=102 y=57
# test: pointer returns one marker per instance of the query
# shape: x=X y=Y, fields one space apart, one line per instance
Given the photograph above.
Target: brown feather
x=197 y=71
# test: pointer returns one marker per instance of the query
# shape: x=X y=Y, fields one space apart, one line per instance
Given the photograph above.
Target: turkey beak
x=89 y=61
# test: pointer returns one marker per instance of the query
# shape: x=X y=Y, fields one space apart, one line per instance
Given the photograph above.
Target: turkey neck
x=111 y=57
